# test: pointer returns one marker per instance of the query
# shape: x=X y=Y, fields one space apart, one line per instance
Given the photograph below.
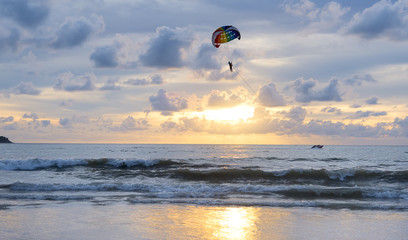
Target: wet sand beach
x=172 y=221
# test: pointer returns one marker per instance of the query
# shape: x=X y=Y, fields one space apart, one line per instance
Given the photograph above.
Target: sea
x=357 y=181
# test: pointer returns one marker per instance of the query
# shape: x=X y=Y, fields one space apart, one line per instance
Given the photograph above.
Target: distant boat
x=317 y=146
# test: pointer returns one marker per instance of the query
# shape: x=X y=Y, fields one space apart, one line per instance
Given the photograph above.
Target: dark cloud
x=165 y=49
x=132 y=124
x=206 y=58
x=167 y=103
x=357 y=80
x=268 y=96
x=32 y=116
x=69 y=122
x=385 y=18
x=400 y=127
x=25 y=12
x=296 y=113
x=45 y=123
x=153 y=80
x=156 y=79
x=69 y=82
x=332 y=110
x=6 y=119
x=366 y=114
x=372 y=101
x=168 y=125
x=329 y=128
x=9 y=39
x=75 y=32
x=305 y=92
x=138 y=81
x=105 y=57
x=224 y=99
x=65 y=122
x=23 y=88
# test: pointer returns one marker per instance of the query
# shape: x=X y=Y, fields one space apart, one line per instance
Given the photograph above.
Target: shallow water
x=79 y=220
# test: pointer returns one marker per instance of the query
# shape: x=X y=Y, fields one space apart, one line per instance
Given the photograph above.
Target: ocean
x=107 y=179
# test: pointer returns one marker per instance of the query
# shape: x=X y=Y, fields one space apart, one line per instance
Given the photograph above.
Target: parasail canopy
x=225 y=34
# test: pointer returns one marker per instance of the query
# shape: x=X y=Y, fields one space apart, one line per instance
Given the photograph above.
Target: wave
x=245 y=192
x=192 y=170
x=38 y=164
x=347 y=174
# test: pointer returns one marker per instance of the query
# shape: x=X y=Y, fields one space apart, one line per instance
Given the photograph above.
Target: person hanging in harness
x=230 y=65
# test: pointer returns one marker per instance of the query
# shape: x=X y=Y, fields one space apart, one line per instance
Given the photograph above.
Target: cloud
x=75 y=119
x=355 y=105
x=400 y=127
x=75 y=32
x=206 y=58
x=121 y=53
x=65 y=122
x=68 y=82
x=383 y=19
x=165 y=49
x=268 y=96
x=6 y=119
x=167 y=103
x=292 y=123
x=327 y=18
x=23 y=88
x=329 y=128
x=296 y=113
x=209 y=64
x=45 y=123
x=9 y=38
x=110 y=85
x=366 y=114
x=34 y=123
x=357 y=80
x=334 y=110
x=132 y=124
x=66 y=103
x=305 y=92
x=105 y=57
x=26 y=13
x=223 y=99
x=153 y=80
x=11 y=127
x=32 y=116
x=217 y=75
x=168 y=125
x=372 y=101
x=301 y=8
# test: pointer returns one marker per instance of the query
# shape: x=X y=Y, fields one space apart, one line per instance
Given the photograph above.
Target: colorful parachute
x=224 y=34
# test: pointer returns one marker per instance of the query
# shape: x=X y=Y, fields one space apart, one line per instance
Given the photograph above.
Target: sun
x=238 y=113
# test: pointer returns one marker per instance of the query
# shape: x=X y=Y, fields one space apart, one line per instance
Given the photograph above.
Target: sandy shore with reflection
x=169 y=221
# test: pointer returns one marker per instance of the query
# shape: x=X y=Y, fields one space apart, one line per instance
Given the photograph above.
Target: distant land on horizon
x=4 y=140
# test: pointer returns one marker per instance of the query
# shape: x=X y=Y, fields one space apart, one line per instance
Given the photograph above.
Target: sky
x=145 y=71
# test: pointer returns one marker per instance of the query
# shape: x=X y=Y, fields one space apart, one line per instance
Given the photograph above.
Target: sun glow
x=242 y=112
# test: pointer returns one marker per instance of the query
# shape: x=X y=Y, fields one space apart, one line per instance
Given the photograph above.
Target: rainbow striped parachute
x=225 y=34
